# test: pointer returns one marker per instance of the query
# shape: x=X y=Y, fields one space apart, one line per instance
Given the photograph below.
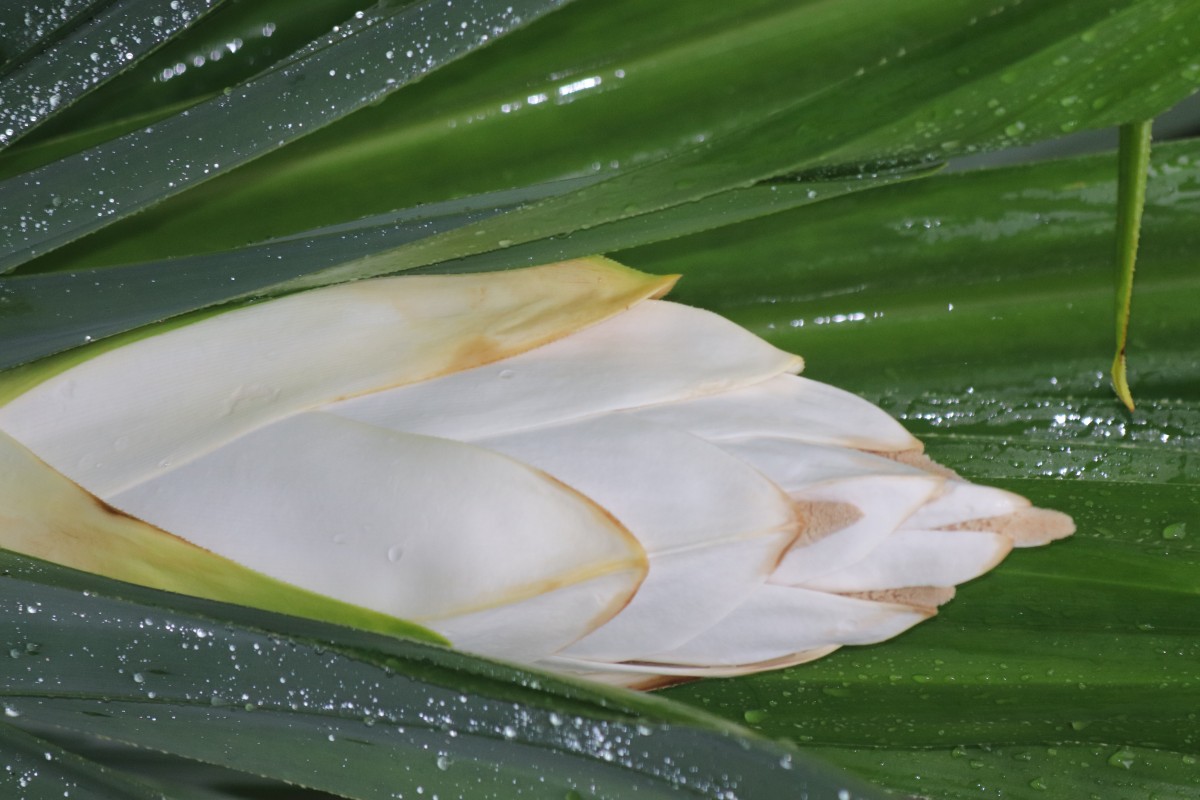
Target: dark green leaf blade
x=350 y=68
x=154 y=669
x=818 y=131
x=36 y=769
x=674 y=119
x=24 y=28
x=1022 y=772
x=90 y=55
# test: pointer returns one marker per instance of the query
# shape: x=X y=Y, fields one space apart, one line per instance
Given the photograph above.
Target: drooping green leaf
x=249 y=690
x=692 y=105
x=36 y=768
x=1134 y=160
x=215 y=52
x=36 y=85
x=355 y=65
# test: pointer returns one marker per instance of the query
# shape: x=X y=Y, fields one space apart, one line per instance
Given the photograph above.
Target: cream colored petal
x=797 y=466
x=919 y=558
x=647 y=676
x=412 y=526
x=537 y=627
x=883 y=502
x=712 y=526
x=960 y=501
x=134 y=412
x=876 y=495
x=654 y=353
x=788 y=407
x=777 y=621
x=45 y=515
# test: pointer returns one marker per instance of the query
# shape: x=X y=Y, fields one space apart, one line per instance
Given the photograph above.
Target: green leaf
x=36 y=85
x=34 y=765
x=679 y=106
x=1134 y=159
x=153 y=669
x=350 y=68
x=976 y=307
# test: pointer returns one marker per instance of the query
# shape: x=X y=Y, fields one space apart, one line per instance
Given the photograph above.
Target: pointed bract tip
x=1027 y=527
x=925 y=599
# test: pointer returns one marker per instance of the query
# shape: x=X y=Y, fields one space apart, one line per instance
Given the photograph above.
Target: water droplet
x=395 y=553
x=443 y=763
x=755 y=715
x=1176 y=530
x=1123 y=759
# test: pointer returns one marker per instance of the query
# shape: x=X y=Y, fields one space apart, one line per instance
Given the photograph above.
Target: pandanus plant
x=546 y=465
x=163 y=161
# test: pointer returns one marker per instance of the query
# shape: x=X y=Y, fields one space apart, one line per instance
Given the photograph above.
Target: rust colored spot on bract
x=820 y=518
x=922 y=598
x=476 y=351
x=1027 y=527
x=113 y=511
x=915 y=458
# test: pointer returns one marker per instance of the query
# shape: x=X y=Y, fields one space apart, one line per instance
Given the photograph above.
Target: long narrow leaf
x=93 y=53
x=153 y=669
x=691 y=110
x=25 y=28
x=358 y=64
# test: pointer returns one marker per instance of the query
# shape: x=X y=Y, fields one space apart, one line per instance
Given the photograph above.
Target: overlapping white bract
x=653 y=496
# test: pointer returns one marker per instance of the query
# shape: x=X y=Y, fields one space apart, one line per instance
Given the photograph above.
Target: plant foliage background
x=164 y=157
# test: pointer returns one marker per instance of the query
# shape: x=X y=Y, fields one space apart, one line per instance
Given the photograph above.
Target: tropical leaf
x=351 y=67
x=976 y=307
x=47 y=67
x=248 y=690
